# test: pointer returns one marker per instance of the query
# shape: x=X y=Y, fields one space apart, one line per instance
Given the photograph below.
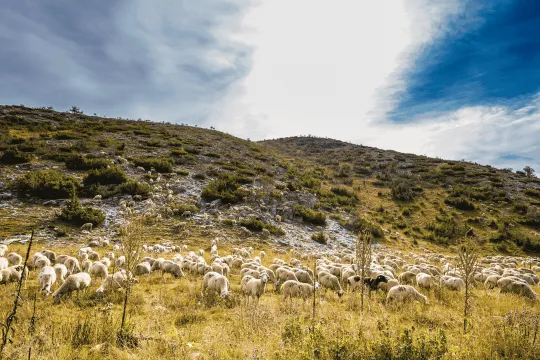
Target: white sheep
x=386 y=286
x=46 y=279
x=284 y=274
x=295 y=289
x=86 y=265
x=119 y=263
x=491 y=281
x=402 y=293
x=452 y=282
x=74 y=282
x=87 y=226
x=4 y=263
x=214 y=282
x=329 y=281
x=407 y=277
x=143 y=268
x=519 y=288
x=14 y=259
x=105 y=261
x=13 y=274
x=51 y=255
x=116 y=281
x=3 y=249
x=424 y=280
x=61 y=272
x=172 y=268
x=72 y=265
x=254 y=288
x=99 y=269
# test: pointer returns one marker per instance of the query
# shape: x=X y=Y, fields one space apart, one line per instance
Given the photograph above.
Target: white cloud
x=336 y=69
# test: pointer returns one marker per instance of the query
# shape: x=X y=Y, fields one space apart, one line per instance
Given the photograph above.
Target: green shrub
x=79 y=162
x=106 y=176
x=403 y=191
x=178 y=152
x=255 y=224
x=343 y=191
x=47 y=184
x=14 y=156
x=360 y=224
x=133 y=187
x=460 y=203
x=75 y=214
x=179 y=209
x=160 y=165
x=213 y=155
x=226 y=188
x=533 y=192
x=310 y=216
x=319 y=237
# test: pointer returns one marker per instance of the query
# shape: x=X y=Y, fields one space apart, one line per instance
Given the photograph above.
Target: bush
x=343 y=191
x=75 y=214
x=310 y=216
x=533 y=192
x=360 y=224
x=47 y=184
x=133 y=187
x=106 y=176
x=160 y=165
x=460 y=203
x=178 y=152
x=319 y=237
x=179 y=209
x=14 y=156
x=403 y=191
x=226 y=188
x=255 y=224
x=79 y=162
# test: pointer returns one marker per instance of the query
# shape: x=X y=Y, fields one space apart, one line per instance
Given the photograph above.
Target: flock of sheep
x=390 y=271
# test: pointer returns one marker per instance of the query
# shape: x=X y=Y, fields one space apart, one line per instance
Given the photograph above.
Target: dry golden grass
x=170 y=319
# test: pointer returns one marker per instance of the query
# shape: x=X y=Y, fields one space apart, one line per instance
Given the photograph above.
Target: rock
x=6 y=196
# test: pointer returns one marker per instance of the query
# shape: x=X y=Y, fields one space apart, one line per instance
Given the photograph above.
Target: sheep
x=85 y=266
x=3 y=249
x=331 y=282
x=148 y=259
x=143 y=268
x=302 y=276
x=82 y=257
x=119 y=263
x=105 y=261
x=262 y=254
x=491 y=281
x=386 y=286
x=92 y=255
x=61 y=272
x=46 y=279
x=283 y=275
x=41 y=261
x=14 y=259
x=98 y=269
x=452 y=282
x=402 y=293
x=254 y=273
x=222 y=269
x=373 y=283
x=255 y=287
x=407 y=277
x=215 y=282
x=51 y=255
x=519 y=288
x=172 y=268
x=74 y=282
x=295 y=289
x=72 y=265
x=424 y=280
x=203 y=269
x=116 y=281
x=13 y=274
x=87 y=226
x=4 y=263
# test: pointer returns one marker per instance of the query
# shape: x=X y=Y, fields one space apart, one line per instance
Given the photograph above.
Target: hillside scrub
x=360 y=224
x=227 y=187
x=310 y=216
x=164 y=165
x=47 y=184
x=255 y=224
x=78 y=215
x=133 y=187
x=112 y=175
x=80 y=162
x=13 y=156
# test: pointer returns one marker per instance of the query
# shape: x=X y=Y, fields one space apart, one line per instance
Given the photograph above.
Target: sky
x=451 y=79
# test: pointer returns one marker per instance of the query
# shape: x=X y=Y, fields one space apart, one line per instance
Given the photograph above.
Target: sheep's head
x=380 y=278
x=317 y=285
x=340 y=293
x=225 y=294
x=57 y=298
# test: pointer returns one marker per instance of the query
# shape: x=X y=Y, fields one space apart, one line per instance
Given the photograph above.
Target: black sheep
x=373 y=284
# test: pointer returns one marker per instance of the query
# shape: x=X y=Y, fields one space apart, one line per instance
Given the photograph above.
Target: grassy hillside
x=302 y=198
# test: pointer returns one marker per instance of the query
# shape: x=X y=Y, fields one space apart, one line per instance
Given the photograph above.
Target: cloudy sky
x=454 y=79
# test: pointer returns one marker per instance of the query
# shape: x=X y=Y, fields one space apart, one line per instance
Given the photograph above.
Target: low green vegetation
x=227 y=188
x=74 y=213
x=13 y=156
x=255 y=224
x=310 y=216
x=164 y=165
x=47 y=184
x=112 y=175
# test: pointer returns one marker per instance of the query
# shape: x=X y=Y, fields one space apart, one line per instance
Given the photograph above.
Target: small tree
x=529 y=171
x=131 y=241
x=467 y=261
x=75 y=110
x=363 y=259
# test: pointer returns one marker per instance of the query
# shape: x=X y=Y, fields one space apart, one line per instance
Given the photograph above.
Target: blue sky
x=452 y=79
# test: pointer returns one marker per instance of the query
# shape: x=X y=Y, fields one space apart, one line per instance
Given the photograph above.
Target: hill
x=316 y=186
